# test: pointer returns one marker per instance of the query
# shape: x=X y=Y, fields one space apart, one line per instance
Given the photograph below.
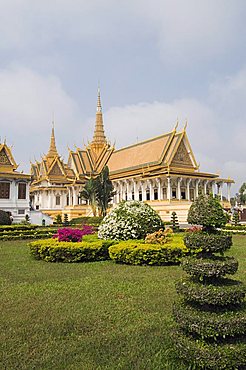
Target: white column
x=228 y=191
x=144 y=185
x=129 y=190
x=213 y=189
x=135 y=188
x=205 y=187
x=221 y=191
x=49 y=199
x=151 y=190
x=188 y=189
x=178 y=188
x=197 y=187
x=169 y=188
x=160 y=195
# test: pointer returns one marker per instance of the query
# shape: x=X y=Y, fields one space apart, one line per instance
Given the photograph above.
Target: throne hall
x=161 y=171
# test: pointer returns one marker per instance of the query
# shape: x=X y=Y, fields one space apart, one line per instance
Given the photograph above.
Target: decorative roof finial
x=186 y=123
x=99 y=105
x=52 y=150
x=176 y=126
x=99 y=137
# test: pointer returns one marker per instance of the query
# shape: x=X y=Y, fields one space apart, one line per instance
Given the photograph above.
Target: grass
x=90 y=315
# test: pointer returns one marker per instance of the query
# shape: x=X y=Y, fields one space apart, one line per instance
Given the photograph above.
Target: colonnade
x=168 y=188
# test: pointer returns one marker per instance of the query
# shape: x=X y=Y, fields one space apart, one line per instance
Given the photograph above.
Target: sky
x=155 y=61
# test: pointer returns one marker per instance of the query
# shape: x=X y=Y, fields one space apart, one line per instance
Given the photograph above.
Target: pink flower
x=73 y=235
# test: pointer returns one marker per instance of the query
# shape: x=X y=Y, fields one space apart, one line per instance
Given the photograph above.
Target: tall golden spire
x=52 y=150
x=99 y=138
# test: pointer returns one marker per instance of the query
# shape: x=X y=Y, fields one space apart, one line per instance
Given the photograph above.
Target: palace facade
x=14 y=186
x=161 y=171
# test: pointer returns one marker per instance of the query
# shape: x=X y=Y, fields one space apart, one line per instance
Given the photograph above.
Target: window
x=22 y=191
x=183 y=193
x=133 y=195
x=155 y=194
x=164 y=193
x=125 y=195
x=174 y=194
x=58 y=200
x=21 y=211
x=147 y=194
x=67 y=201
x=4 y=190
x=37 y=208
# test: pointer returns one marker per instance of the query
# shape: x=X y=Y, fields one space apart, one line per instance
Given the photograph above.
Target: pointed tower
x=99 y=139
x=52 y=150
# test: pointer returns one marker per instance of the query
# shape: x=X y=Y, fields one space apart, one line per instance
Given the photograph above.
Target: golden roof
x=8 y=165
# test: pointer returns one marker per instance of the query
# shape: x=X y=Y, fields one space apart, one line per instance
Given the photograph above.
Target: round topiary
x=4 y=218
x=208 y=242
x=216 y=266
x=222 y=293
x=206 y=211
x=130 y=220
x=218 y=324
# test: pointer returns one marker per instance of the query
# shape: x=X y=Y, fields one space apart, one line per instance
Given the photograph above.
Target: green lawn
x=90 y=315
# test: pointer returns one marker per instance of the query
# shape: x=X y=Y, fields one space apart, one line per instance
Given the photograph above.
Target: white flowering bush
x=130 y=220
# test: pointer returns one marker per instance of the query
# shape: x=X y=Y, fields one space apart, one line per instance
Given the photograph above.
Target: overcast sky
x=156 y=60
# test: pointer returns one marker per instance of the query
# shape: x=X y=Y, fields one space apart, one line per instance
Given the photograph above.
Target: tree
x=89 y=193
x=104 y=191
x=235 y=218
x=242 y=193
x=175 y=222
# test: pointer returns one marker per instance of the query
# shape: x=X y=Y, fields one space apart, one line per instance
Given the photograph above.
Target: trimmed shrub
x=72 y=235
x=211 y=319
x=208 y=242
x=92 y=221
x=51 y=250
x=159 y=237
x=205 y=355
x=206 y=211
x=212 y=267
x=208 y=324
x=139 y=253
x=4 y=218
x=130 y=220
x=222 y=293
x=174 y=221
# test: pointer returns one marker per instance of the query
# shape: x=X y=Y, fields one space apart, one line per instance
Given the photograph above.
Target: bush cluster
x=130 y=220
x=211 y=316
x=73 y=235
x=92 y=221
x=159 y=237
x=51 y=250
x=139 y=253
x=19 y=232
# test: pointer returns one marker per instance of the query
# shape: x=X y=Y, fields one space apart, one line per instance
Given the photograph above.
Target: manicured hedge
x=226 y=293
x=92 y=221
x=214 y=356
x=35 y=233
x=51 y=250
x=207 y=324
x=139 y=253
x=213 y=267
x=212 y=243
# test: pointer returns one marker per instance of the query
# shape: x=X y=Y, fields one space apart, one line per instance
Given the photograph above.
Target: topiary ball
x=4 y=218
x=130 y=220
x=206 y=211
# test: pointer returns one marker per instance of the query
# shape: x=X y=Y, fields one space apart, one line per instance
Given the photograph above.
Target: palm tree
x=89 y=193
x=105 y=191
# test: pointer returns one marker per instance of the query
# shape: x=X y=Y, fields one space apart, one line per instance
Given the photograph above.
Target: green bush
x=209 y=267
x=4 y=218
x=130 y=220
x=208 y=242
x=139 y=253
x=207 y=324
x=214 y=356
x=51 y=250
x=92 y=221
x=220 y=293
x=206 y=211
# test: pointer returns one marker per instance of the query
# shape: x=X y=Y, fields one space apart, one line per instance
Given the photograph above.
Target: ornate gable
x=56 y=170
x=4 y=160
x=182 y=156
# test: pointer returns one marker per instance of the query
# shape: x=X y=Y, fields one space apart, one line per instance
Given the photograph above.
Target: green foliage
x=207 y=242
x=18 y=232
x=235 y=218
x=51 y=250
x=210 y=356
x=4 y=218
x=89 y=193
x=222 y=293
x=130 y=220
x=242 y=193
x=104 y=191
x=139 y=253
x=174 y=221
x=216 y=325
x=58 y=219
x=209 y=267
x=65 y=220
x=206 y=211
x=92 y=221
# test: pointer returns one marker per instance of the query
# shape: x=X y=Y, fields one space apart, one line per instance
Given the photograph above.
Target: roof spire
x=99 y=138
x=52 y=150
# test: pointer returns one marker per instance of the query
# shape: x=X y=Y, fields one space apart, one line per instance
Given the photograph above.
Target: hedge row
x=41 y=233
x=210 y=268
x=210 y=243
x=222 y=356
x=17 y=227
x=208 y=324
x=53 y=251
x=140 y=253
x=226 y=293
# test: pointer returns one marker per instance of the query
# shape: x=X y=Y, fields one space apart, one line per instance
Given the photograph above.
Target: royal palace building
x=161 y=171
